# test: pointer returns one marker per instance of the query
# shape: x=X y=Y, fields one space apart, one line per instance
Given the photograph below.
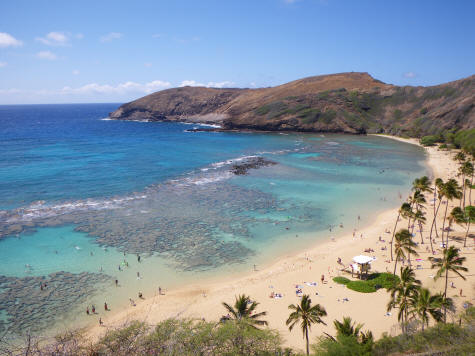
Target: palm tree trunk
x=466 y=235
x=447 y=236
x=433 y=225
x=470 y=191
x=445 y=293
x=443 y=223
x=435 y=213
x=463 y=190
x=395 y=263
x=306 y=337
x=420 y=231
x=394 y=232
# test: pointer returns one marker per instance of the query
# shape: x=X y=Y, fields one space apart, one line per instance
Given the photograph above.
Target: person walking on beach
x=138 y=258
x=323 y=278
x=116 y=282
x=100 y=322
x=105 y=306
x=87 y=310
x=93 y=309
x=159 y=290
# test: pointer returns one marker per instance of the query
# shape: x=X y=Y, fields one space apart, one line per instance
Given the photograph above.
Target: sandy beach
x=203 y=300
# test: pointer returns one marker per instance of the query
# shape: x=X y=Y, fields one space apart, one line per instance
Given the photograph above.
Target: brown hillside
x=345 y=102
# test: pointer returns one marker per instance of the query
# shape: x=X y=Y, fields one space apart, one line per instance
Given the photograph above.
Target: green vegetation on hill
x=464 y=139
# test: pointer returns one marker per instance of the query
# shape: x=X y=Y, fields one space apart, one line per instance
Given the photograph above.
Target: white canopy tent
x=362 y=263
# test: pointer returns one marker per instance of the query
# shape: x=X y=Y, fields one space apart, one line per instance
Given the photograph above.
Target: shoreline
x=204 y=299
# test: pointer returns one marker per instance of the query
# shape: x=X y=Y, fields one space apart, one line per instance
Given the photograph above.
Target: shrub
x=309 y=115
x=429 y=140
x=465 y=139
x=361 y=286
x=373 y=282
x=449 y=338
x=424 y=111
x=341 y=280
x=343 y=346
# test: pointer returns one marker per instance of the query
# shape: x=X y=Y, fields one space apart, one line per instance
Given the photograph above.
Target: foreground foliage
x=170 y=337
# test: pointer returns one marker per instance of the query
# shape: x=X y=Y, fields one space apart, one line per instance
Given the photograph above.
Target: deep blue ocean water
x=80 y=194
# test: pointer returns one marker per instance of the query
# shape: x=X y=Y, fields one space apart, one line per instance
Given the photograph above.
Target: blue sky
x=116 y=51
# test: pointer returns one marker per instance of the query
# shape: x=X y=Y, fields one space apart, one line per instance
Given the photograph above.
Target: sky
x=116 y=51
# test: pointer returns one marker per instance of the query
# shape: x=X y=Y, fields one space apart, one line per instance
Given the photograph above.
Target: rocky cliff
x=345 y=102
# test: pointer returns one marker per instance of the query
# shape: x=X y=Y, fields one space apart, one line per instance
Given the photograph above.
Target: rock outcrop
x=346 y=102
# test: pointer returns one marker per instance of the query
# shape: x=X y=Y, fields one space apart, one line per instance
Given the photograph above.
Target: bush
x=341 y=280
x=373 y=282
x=429 y=140
x=361 y=286
x=465 y=139
x=344 y=346
x=449 y=338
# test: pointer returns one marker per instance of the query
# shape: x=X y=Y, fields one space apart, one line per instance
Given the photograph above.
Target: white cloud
x=79 y=36
x=409 y=75
x=122 y=88
x=10 y=91
x=147 y=64
x=46 y=55
x=7 y=40
x=54 y=39
x=76 y=72
x=111 y=36
x=192 y=83
x=3 y=64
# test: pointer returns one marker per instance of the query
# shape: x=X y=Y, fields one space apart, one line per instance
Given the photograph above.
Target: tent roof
x=361 y=259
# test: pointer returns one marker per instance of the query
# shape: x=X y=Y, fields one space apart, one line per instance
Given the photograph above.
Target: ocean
x=86 y=201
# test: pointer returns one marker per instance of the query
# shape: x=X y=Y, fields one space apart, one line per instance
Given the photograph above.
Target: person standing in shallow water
x=105 y=306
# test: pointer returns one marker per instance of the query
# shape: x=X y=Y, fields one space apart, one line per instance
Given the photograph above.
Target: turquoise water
x=81 y=198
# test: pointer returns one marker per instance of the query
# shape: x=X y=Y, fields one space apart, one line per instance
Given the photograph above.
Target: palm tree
x=405 y=207
x=417 y=200
x=401 y=294
x=307 y=314
x=423 y=305
x=243 y=311
x=466 y=170
x=470 y=215
x=471 y=181
x=451 y=191
x=347 y=327
x=422 y=184
x=456 y=215
x=404 y=246
x=451 y=261
x=419 y=217
x=439 y=185
x=459 y=157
